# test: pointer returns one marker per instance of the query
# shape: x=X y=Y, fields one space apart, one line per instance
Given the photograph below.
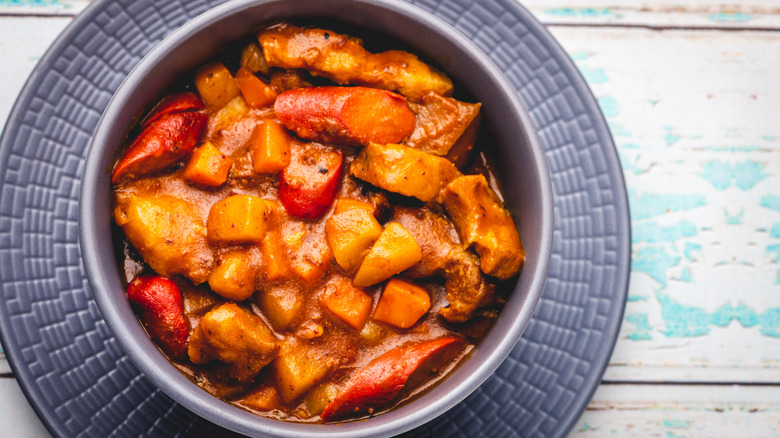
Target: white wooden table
x=691 y=91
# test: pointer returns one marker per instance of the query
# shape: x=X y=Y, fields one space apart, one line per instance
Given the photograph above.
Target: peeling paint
x=774 y=232
x=749 y=173
x=653 y=232
x=654 y=261
x=771 y=201
x=689 y=248
x=580 y=12
x=594 y=75
x=647 y=205
x=730 y=17
x=609 y=106
x=643 y=327
x=677 y=424
x=41 y=3
x=734 y=219
x=683 y=321
x=769 y=323
x=717 y=173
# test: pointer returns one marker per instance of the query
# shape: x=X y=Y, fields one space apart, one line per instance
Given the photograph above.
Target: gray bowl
x=520 y=163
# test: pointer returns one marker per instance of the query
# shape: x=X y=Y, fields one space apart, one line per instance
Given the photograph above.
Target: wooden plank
x=658 y=14
x=694 y=118
x=661 y=14
x=42 y=7
x=18 y=418
x=672 y=411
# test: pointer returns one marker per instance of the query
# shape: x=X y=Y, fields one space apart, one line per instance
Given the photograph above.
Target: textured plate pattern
x=74 y=373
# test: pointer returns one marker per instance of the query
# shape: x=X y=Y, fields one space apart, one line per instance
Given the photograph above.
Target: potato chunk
x=404 y=170
x=238 y=219
x=300 y=369
x=167 y=233
x=282 y=304
x=236 y=338
x=482 y=221
x=233 y=276
x=216 y=85
x=394 y=251
x=350 y=234
x=402 y=304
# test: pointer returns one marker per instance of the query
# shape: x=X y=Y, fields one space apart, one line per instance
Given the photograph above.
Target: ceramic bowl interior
x=519 y=160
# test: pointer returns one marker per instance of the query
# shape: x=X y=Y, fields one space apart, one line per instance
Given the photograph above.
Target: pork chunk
x=343 y=60
x=167 y=233
x=237 y=339
x=483 y=222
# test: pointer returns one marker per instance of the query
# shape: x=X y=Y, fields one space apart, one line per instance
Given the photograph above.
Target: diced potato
x=257 y=93
x=231 y=113
x=264 y=399
x=238 y=219
x=319 y=397
x=404 y=170
x=282 y=305
x=299 y=369
x=372 y=332
x=233 y=276
x=270 y=147
x=345 y=204
x=402 y=304
x=208 y=166
x=236 y=338
x=275 y=263
x=347 y=302
x=394 y=251
x=482 y=221
x=252 y=58
x=215 y=85
x=167 y=233
x=350 y=234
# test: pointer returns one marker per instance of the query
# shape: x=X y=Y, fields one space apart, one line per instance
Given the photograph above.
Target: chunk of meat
x=161 y=310
x=483 y=222
x=343 y=60
x=465 y=287
x=377 y=384
x=237 y=339
x=167 y=233
x=404 y=170
x=445 y=127
x=353 y=116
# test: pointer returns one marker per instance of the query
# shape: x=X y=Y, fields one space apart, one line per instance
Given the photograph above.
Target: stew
x=315 y=233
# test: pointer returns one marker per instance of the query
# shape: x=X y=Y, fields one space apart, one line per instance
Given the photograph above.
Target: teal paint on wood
x=774 y=232
x=743 y=175
x=594 y=75
x=769 y=323
x=745 y=316
x=643 y=327
x=609 y=106
x=580 y=12
x=652 y=232
x=654 y=261
x=28 y=3
x=771 y=201
x=730 y=17
x=683 y=321
x=648 y=205
x=689 y=248
x=677 y=424
x=774 y=249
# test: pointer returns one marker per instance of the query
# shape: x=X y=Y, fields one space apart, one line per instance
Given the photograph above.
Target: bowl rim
x=189 y=394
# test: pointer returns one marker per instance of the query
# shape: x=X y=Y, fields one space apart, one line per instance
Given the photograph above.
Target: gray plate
x=72 y=370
